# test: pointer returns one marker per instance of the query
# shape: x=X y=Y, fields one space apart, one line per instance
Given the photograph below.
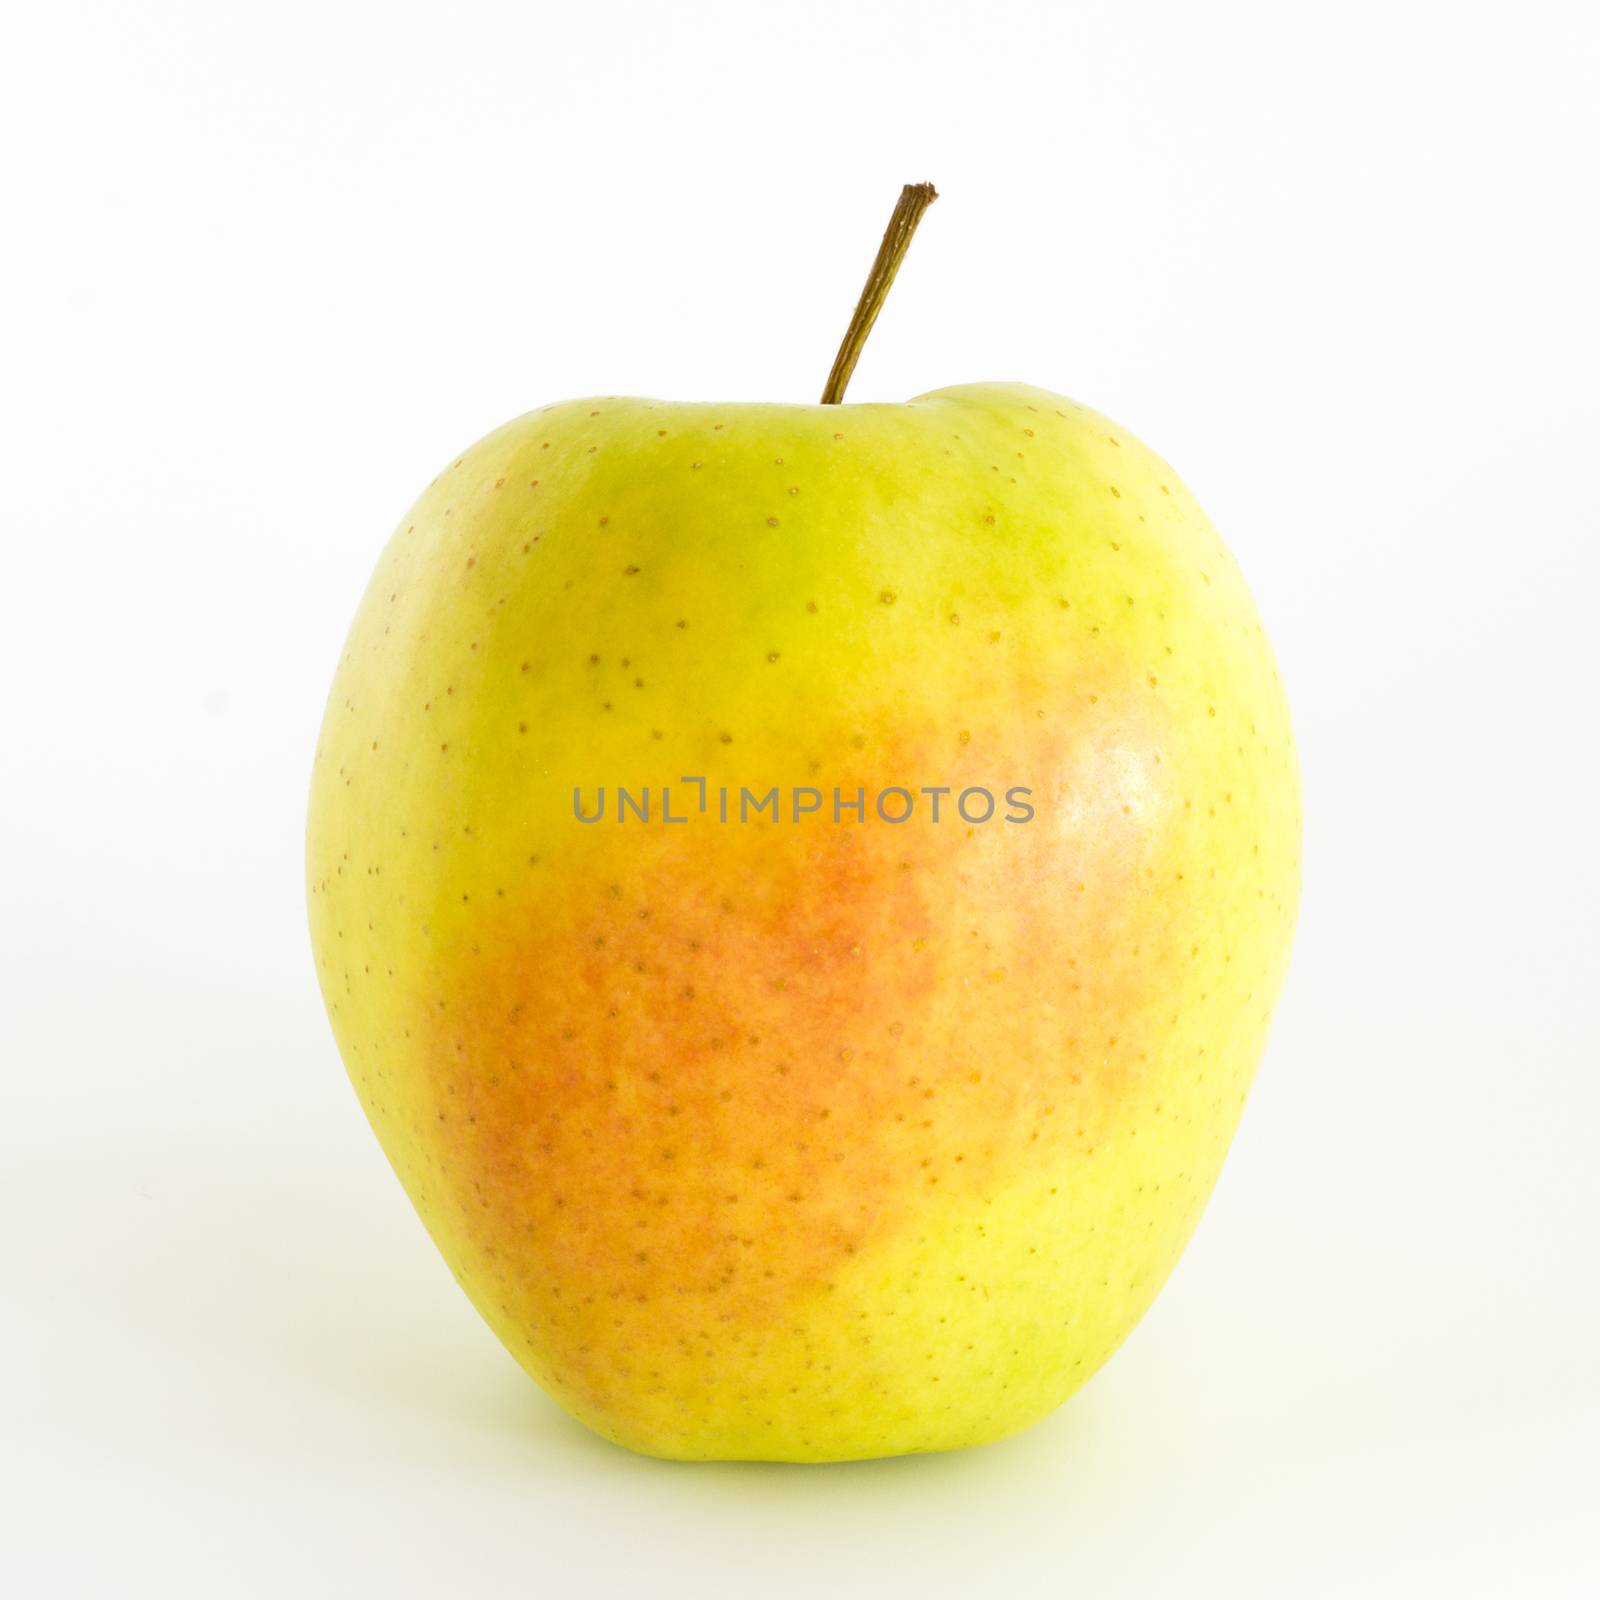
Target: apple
x=800 y=891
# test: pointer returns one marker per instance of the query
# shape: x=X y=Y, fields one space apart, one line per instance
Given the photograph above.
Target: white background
x=270 y=266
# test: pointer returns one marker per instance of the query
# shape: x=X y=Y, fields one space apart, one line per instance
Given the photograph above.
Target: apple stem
x=915 y=198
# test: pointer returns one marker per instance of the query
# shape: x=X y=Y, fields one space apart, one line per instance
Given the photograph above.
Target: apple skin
x=813 y=1140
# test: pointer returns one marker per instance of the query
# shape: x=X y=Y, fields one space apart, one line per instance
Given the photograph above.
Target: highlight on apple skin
x=806 y=1135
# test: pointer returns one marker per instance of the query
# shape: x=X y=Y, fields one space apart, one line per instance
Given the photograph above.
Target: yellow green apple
x=812 y=1133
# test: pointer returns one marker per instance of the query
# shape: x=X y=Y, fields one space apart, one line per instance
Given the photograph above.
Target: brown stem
x=915 y=198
